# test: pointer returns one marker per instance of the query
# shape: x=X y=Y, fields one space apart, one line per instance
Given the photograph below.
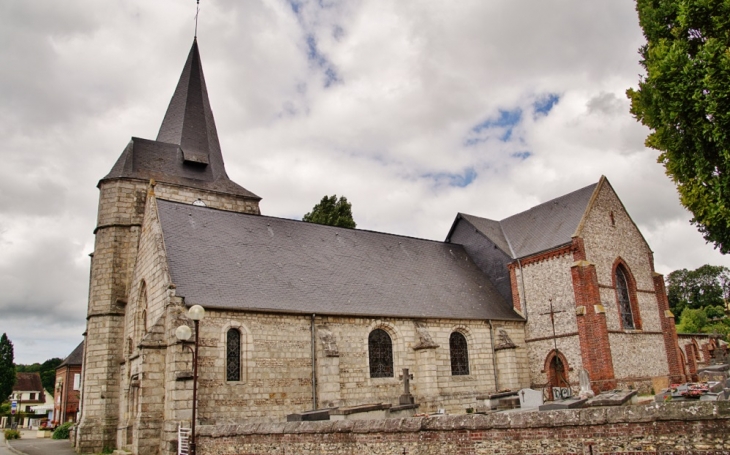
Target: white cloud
x=372 y=99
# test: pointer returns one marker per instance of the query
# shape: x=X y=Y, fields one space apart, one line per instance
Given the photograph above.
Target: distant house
x=28 y=391
x=68 y=386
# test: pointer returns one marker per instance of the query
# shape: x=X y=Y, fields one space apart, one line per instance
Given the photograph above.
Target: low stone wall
x=664 y=428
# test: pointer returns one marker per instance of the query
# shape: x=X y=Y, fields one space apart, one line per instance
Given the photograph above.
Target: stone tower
x=184 y=164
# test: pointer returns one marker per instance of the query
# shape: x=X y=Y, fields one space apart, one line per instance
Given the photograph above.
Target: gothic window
x=459 y=354
x=624 y=299
x=380 y=348
x=233 y=355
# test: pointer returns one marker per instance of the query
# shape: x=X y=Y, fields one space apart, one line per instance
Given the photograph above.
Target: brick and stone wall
x=688 y=428
x=545 y=278
x=610 y=237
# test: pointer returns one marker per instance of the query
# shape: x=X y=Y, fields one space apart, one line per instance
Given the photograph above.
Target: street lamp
x=196 y=313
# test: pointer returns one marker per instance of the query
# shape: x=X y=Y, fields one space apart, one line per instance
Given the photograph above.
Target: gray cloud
x=396 y=129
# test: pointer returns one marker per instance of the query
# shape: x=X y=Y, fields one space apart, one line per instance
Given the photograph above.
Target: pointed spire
x=189 y=119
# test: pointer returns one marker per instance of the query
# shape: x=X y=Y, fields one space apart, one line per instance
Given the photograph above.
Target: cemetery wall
x=668 y=428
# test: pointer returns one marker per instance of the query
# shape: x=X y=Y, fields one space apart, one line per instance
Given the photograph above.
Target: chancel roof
x=230 y=260
x=187 y=151
x=541 y=228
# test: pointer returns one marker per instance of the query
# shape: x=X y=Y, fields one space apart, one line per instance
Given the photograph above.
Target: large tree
x=7 y=368
x=333 y=212
x=684 y=98
x=706 y=286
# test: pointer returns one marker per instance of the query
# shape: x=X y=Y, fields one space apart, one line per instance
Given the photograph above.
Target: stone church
x=301 y=316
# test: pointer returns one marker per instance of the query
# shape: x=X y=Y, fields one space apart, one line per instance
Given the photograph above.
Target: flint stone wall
x=666 y=428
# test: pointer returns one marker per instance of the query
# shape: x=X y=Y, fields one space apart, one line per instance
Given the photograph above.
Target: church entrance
x=557 y=372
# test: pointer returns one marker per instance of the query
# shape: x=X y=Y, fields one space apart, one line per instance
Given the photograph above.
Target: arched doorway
x=556 y=367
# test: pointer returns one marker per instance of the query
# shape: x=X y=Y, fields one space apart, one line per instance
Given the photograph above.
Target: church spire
x=189 y=119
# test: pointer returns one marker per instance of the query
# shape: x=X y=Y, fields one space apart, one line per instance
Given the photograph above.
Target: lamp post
x=196 y=313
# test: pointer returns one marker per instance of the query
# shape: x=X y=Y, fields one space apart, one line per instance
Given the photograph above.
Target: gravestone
x=612 y=398
x=530 y=398
x=585 y=385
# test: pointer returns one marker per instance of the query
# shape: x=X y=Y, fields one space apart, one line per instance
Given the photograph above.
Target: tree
x=332 y=212
x=684 y=98
x=705 y=287
x=7 y=367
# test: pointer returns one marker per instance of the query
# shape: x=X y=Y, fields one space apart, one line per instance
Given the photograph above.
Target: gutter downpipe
x=314 y=366
x=494 y=357
x=524 y=297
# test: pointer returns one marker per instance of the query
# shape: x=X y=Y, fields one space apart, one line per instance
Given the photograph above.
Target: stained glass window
x=233 y=355
x=380 y=348
x=459 y=354
x=624 y=301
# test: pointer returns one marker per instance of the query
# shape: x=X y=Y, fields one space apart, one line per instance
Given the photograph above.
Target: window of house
x=380 y=350
x=77 y=381
x=624 y=299
x=233 y=355
x=459 y=354
x=32 y=396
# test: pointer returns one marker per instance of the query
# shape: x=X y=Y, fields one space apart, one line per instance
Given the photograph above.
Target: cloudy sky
x=413 y=109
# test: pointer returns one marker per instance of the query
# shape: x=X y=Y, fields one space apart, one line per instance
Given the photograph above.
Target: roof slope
x=224 y=260
x=75 y=358
x=28 y=382
x=187 y=151
x=540 y=228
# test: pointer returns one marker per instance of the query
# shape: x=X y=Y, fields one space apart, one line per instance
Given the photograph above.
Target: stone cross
x=552 y=314
x=406 y=398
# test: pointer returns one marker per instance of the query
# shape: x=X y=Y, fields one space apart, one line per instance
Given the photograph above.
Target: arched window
x=233 y=355
x=380 y=348
x=459 y=354
x=624 y=299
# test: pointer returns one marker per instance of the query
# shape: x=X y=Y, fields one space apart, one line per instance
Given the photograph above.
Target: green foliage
x=5 y=409
x=62 y=431
x=332 y=212
x=707 y=286
x=107 y=450
x=692 y=321
x=47 y=370
x=7 y=367
x=685 y=100
x=12 y=434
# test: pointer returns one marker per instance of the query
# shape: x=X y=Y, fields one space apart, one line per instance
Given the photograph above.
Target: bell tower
x=185 y=164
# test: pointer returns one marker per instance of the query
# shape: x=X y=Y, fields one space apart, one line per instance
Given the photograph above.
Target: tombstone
x=406 y=398
x=585 y=385
x=530 y=398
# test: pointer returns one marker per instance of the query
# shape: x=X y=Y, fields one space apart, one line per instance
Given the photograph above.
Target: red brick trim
x=579 y=249
x=691 y=361
x=633 y=299
x=544 y=256
x=595 y=348
x=671 y=344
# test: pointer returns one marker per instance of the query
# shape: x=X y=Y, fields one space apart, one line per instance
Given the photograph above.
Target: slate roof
x=230 y=260
x=187 y=151
x=541 y=228
x=27 y=382
x=75 y=358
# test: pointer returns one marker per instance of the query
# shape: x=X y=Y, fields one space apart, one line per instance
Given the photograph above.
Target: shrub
x=12 y=434
x=62 y=431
